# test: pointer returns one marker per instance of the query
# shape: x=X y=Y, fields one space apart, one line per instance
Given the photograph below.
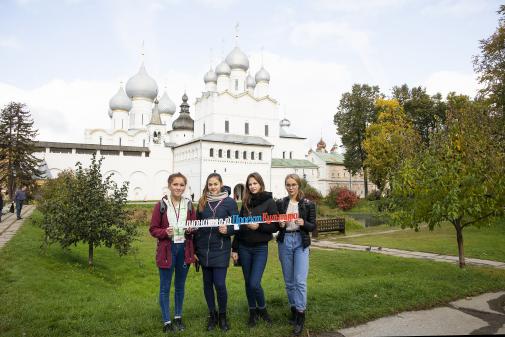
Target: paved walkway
x=407 y=254
x=10 y=225
x=480 y=315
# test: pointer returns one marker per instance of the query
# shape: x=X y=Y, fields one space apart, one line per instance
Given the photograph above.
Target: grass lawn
x=483 y=243
x=51 y=292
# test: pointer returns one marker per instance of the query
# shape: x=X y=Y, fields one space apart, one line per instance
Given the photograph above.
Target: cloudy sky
x=66 y=58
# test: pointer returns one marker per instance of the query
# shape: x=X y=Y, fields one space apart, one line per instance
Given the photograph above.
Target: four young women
x=212 y=247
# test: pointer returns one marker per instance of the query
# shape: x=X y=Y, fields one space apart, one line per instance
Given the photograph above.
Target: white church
x=235 y=129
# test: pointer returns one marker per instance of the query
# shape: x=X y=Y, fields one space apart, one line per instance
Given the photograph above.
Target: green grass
x=483 y=243
x=51 y=292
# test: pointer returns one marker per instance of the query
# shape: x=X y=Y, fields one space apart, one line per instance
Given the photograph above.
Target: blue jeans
x=19 y=205
x=295 y=268
x=181 y=272
x=215 y=277
x=254 y=261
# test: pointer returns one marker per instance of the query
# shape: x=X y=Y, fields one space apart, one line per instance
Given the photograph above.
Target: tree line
x=436 y=159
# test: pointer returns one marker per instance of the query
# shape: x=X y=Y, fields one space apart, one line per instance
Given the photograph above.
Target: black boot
x=253 y=318
x=292 y=318
x=168 y=327
x=223 y=323
x=212 y=320
x=263 y=313
x=178 y=324
x=300 y=321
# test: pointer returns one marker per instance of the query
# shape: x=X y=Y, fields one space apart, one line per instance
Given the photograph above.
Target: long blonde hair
x=203 y=198
x=298 y=180
x=247 y=194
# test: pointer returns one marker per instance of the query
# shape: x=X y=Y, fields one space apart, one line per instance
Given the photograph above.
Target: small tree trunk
x=459 y=237
x=90 y=255
x=365 y=180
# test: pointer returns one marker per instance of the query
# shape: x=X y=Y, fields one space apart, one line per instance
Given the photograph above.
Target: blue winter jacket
x=213 y=248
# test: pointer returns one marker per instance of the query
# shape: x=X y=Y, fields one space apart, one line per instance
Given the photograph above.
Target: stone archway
x=238 y=192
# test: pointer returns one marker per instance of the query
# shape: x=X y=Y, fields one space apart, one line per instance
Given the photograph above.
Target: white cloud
x=447 y=81
x=321 y=36
x=356 y=5
x=9 y=42
x=455 y=7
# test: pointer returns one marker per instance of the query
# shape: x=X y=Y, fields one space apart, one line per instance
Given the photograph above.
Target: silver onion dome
x=250 y=82
x=236 y=59
x=120 y=101
x=184 y=121
x=109 y=113
x=223 y=69
x=210 y=76
x=142 y=85
x=262 y=76
x=165 y=105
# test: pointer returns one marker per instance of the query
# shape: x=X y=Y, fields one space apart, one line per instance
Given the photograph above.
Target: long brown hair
x=247 y=194
x=296 y=178
x=203 y=198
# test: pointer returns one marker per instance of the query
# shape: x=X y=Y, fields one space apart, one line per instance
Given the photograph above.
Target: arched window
x=100 y=140
x=228 y=154
x=119 y=141
x=211 y=153
x=290 y=154
x=236 y=85
x=220 y=153
x=283 y=154
x=246 y=128
x=244 y=155
x=226 y=126
x=260 y=156
x=203 y=128
x=236 y=154
x=252 y=155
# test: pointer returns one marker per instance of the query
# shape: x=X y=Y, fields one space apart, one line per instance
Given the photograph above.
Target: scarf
x=259 y=198
x=220 y=196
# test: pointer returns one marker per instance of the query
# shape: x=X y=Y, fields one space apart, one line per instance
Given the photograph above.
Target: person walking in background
x=250 y=245
x=293 y=242
x=175 y=252
x=213 y=248
x=19 y=199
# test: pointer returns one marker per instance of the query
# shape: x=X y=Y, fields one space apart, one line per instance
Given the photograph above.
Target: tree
x=83 y=207
x=490 y=67
x=426 y=112
x=18 y=165
x=459 y=178
x=388 y=142
x=355 y=111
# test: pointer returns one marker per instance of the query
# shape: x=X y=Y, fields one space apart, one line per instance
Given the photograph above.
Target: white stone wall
x=147 y=175
x=140 y=113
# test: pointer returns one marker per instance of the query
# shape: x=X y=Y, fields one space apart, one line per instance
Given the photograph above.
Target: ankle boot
x=212 y=320
x=300 y=321
x=223 y=323
x=263 y=313
x=292 y=318
x=253 y=318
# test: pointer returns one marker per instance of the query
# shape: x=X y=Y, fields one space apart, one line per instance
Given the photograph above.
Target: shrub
x=374 y=195
x=331 y=198
x=346 y=199
x=310 y=192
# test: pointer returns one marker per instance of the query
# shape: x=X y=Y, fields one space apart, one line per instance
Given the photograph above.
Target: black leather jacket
x=306 y=211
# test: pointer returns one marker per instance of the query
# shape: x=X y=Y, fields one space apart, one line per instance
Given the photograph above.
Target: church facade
x=235 y=129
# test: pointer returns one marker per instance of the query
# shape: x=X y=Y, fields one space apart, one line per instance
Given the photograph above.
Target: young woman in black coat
x=293 y=242
x=250 y=244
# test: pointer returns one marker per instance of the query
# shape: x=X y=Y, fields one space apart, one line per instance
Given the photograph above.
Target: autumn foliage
x=346 y=199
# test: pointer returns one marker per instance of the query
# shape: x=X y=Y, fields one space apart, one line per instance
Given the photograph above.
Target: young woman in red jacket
x=175 y=251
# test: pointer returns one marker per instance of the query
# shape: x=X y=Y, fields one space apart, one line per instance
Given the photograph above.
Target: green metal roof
x=331 y=158
x=295 y=163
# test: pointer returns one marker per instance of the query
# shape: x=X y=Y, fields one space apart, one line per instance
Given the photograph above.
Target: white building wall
x=294 y=146
x=140 y=113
